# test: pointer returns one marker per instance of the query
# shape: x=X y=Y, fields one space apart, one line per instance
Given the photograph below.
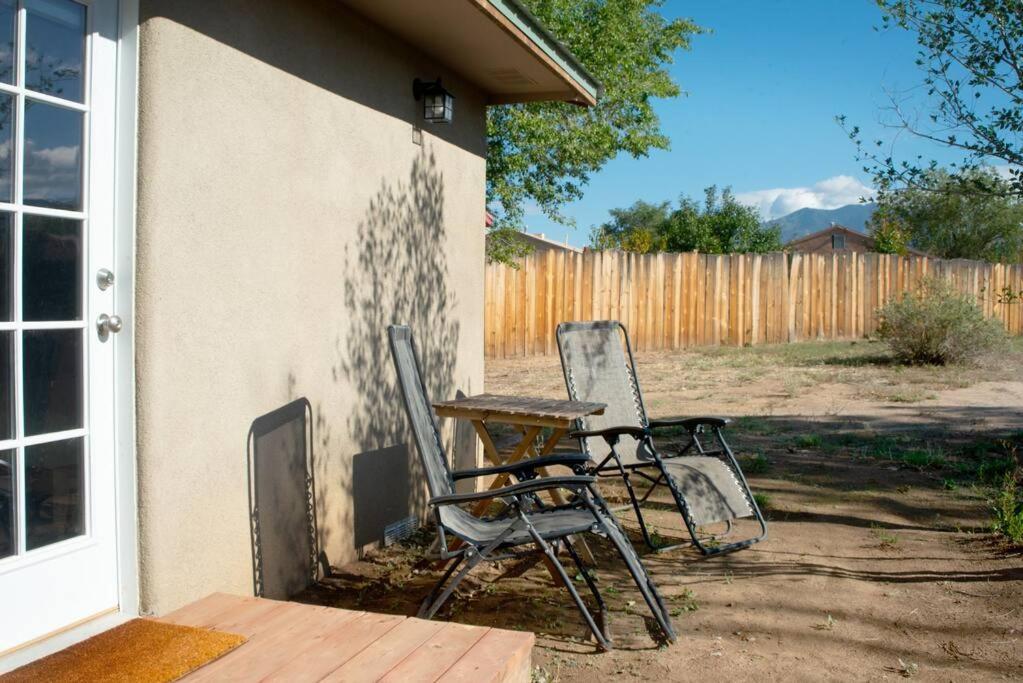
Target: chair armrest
x=611 y=433
x=542 y=484
x=568 y=459
x=689 y=422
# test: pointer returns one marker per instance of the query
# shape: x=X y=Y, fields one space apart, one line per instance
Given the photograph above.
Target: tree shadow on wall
x=396 y=273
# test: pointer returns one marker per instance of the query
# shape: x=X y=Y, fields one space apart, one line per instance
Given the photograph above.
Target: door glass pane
x=53 y=156
x=55 y=37
x=54 y=494
x=7 y=15
x=6 y=267
x=52 y=271
x=6 y=385
x=6 y=147
x=53 y=380
x=6 y=503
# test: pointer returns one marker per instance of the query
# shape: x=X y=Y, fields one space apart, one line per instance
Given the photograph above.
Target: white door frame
x=125 y=162
x=125 y=486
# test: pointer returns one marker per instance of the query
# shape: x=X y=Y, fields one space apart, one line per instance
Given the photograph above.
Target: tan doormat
x=142 y=650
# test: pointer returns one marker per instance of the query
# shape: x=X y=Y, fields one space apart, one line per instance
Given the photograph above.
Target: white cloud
x=58 y=157
x=1006 y=171
x=53 y=174
x=830 y=193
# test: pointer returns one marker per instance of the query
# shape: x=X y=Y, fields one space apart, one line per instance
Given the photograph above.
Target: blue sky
x=762 y=92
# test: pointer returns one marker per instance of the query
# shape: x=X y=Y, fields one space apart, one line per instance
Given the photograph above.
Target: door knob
x=108 y=324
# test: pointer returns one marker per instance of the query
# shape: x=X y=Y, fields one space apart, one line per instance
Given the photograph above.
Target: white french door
x=58 y=550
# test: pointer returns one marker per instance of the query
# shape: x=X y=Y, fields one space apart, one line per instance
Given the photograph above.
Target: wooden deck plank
x=305 y=643
x=323 y=656
x=249 y=619
x=431 y=659
x=200 y=612
x=262 y=632
x=382 y=656
x=277 y=645
x=478 y=664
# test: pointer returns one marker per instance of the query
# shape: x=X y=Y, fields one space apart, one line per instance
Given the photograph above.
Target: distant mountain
x=804 y=221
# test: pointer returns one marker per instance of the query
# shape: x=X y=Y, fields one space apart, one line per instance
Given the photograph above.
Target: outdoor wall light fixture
x=438 y=103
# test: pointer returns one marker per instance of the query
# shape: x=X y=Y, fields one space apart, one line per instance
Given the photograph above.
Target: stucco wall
x=285 y=217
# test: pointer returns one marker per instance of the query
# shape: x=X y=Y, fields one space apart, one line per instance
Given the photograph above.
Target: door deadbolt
x=104 y=279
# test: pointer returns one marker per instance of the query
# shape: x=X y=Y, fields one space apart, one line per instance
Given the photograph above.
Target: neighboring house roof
x=835 y=228
x=539 y=241
x=827 y=231
x=496 y=44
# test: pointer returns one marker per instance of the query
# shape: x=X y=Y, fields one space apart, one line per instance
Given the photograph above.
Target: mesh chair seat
x=712 y=491
x=549 y=524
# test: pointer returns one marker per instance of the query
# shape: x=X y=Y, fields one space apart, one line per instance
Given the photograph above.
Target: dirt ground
x=880 y=562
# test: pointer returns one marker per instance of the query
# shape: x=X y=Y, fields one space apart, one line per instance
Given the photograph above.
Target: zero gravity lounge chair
x=523 y=524
x=706 y=484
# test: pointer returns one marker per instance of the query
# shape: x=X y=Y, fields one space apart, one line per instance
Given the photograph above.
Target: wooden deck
x=294 y=642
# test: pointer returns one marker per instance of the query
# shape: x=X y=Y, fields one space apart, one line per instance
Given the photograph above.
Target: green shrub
x=754 y=464
x=938 y=325
x=809 y=441
x=1008 y=509
x=994 y=470
x=923 y=459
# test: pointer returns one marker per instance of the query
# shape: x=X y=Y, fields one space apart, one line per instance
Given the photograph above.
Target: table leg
x=547 y=449
x=580 y=543
x=489 y=449
x=491 y=453
x=525 y=448
x=502 y=479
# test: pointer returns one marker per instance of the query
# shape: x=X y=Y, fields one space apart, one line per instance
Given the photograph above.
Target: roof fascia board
x=570 y=67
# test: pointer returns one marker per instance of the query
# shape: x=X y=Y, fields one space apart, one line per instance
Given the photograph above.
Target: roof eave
x=581 y=86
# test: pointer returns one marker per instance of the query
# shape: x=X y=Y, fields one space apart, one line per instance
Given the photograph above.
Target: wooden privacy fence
x=671 y=301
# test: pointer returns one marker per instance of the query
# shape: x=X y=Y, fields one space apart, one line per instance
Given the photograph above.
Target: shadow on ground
x=870 y=562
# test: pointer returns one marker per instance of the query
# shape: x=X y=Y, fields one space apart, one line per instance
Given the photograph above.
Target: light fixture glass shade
x=438 y=103
x=438 y=107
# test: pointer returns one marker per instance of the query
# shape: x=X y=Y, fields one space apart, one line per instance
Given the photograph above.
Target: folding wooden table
x=530 y=415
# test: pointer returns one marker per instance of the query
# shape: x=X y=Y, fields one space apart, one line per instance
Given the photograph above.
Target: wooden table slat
x=496 y=404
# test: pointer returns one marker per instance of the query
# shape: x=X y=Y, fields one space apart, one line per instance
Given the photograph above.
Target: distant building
x=541 y=244
x=538 y=241
x=837 y=238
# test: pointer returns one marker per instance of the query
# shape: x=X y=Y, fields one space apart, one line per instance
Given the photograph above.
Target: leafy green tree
x=545 y=153
x=504 y=245
x=637 y=228
x=965 y=215
x=971 y=58
x=721 y=225
x=890 y=237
